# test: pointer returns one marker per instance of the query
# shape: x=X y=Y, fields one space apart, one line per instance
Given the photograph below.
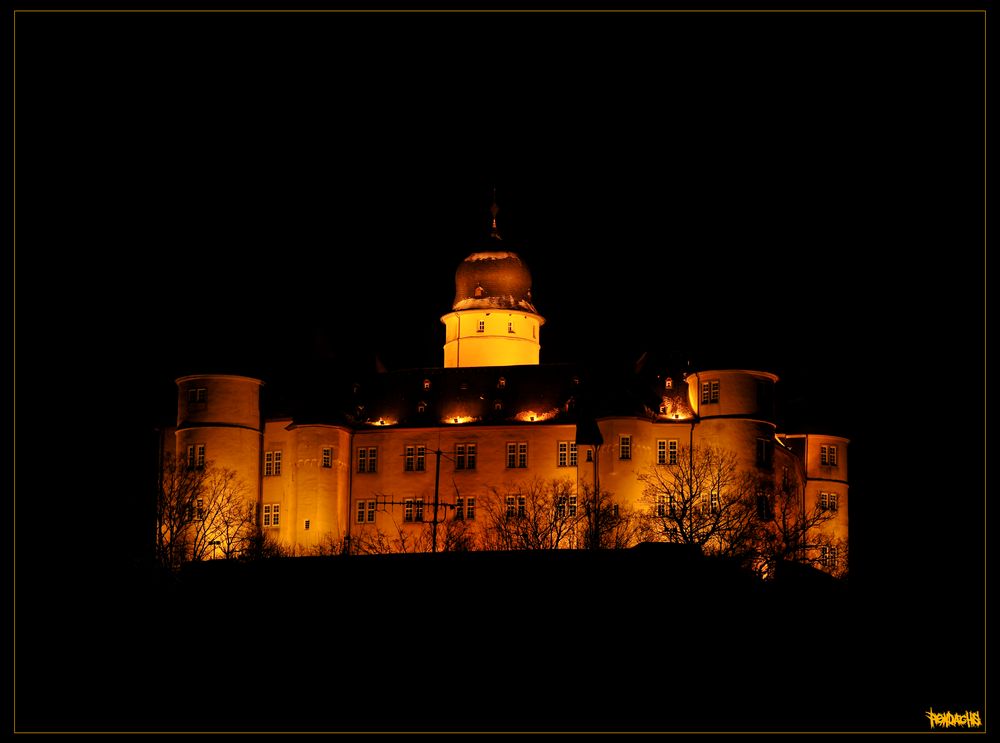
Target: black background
x=796 y=192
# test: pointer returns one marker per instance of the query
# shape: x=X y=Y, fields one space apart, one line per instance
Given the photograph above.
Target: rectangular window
x=408 y=509
x=833 y=501
x=327 y=457
x=824 y=504
x=481 y=327
x=661 y=451
x=200 y=509
x=714 y=503
x=197 y=394
x=409 y=457
x=764 y=449
x=567 y=454
x=196 y=456
x=465 y=456
x=272 y=463
x=572 y=506
x=470 y=509
x=367 y=459
x=828 y=455
x=361 y=511
x=277 y=463
x=418 y=509
x=510 y=506
x=828 y=557
x=710 y=391
x=459 y=508
x=267 y=514
x=522 y=506
x=510 y=327
x=561 y=507
x=661 y=505
x=517 y=454
x=624 y=447
x=460 y=456
x=371 y=512
x=306 y=525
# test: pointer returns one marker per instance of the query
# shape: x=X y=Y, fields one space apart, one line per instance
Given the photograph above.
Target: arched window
x=421 y=407
x=497 y=405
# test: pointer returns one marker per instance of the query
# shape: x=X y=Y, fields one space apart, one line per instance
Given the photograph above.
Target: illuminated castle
x=474 y=435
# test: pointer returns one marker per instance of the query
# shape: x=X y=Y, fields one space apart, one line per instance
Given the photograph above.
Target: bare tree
x=225 y=519
x=531 y=516
x=704 y=499
x=608 y=524
x=201 y=512
x=786 y=530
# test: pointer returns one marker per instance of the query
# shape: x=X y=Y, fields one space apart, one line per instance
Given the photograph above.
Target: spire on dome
x=493 y=210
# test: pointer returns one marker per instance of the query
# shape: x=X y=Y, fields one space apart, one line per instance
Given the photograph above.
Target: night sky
x=799 y=193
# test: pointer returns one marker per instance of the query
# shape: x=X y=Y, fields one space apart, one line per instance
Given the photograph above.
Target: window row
x=413 y=510
x=828 y=455
x=272 y=461
x=465 y=456
x=828 y=501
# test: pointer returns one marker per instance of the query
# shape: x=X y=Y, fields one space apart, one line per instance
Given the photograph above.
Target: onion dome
x=493 y=280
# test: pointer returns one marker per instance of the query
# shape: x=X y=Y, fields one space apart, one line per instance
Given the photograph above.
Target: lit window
x=828 y=455
x=427 y=384
x=765 y=510
x=713 y=502
x=764 y=449
x=465 y=456
x=272 y=514
x=470 y=509
x=481 y=328
x=624 y=447
x=367 y=459
x=828 y=557
x=567 y=454
x=327 y=456
x=414 y=459
x=668 y=383
x=272 y=463
x=517 y=454
x=196 y=456
x=710 y=391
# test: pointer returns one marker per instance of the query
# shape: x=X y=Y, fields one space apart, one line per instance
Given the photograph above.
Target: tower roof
x=493 y=280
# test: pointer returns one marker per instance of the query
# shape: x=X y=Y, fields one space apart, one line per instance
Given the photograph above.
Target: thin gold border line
x=509 y=10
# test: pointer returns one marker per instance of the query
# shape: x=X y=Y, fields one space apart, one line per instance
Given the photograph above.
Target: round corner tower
x=219 y=424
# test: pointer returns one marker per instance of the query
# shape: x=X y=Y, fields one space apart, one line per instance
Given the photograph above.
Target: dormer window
x=480 y=291
x=502 y=383
x=668 y=383
x=497 y=405
x=421 y=407
x=427 y=385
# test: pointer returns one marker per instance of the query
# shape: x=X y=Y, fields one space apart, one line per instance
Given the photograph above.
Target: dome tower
x=493 y=321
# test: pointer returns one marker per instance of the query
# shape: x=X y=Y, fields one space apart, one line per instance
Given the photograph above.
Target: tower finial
x=493 y=210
